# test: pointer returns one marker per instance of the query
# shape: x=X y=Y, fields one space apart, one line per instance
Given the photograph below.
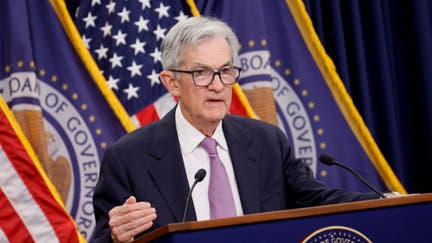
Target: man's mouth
x=215 y=100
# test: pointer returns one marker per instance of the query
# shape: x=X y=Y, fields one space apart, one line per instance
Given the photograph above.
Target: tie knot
x=209 y=144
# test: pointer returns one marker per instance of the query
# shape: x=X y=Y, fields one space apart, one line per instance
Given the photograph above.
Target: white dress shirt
x=195 y=158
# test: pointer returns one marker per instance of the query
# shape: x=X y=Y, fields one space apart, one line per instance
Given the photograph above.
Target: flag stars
x=263 y=42
x=7 y=68
x=20 y=64
x=311 y=105
x=42 y=72
x=86 y=41
x=154 y=78
x=110 y=7
x=138 y=47
x=156 y=55
x=287 y=72
x=106 y=29
x=84 y=107
x=159 y=32
x=144 y=4
x=162 y=10
x=320 y=131
x=316 y=118
x=251 y=43
x=94 y=2
x=98 y=131
x=181 y=16
x=142 y=24
x=296 y=82
x=112 y=82
x=90 y=20
x=64 y=87
x=124 y=15
x=54 y=78
x=32 y=64
x=120 y=38
x=131 y=91
x=278 y=63
x=74 y=96
x=304 y=92
x=92 y=118
x=134 y=69
x=123 y=56
x=103 y=145
x=116 y=61
x=101 y=52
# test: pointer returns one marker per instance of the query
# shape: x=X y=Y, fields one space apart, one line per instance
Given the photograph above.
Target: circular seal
x=53 y=119
x=336 y=234
x=290 y=112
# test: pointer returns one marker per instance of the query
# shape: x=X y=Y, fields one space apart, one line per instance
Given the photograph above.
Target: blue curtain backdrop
x=383 y=53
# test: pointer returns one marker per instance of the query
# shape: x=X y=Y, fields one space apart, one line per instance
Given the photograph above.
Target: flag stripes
x=30 y=200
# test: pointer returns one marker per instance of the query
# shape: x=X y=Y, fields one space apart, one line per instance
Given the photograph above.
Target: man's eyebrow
x=200 y=65
x=226 y=64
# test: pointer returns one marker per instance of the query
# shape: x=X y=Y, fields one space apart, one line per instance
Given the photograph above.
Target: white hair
x=189 y=32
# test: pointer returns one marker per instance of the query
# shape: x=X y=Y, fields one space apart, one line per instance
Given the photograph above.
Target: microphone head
x=327 y=159
x=200 y=175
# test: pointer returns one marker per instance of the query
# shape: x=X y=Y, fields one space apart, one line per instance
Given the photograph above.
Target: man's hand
x=130 y=219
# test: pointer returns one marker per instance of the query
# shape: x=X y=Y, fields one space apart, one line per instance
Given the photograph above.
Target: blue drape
x=383 y=53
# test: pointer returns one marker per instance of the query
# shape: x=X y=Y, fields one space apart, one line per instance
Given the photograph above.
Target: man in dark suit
x=146 y=175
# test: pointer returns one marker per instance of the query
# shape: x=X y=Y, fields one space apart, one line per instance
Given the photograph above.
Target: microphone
x=328 y=160
x=199 y=176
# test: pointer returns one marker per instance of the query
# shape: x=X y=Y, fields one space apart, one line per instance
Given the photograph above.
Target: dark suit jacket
x=148 y=164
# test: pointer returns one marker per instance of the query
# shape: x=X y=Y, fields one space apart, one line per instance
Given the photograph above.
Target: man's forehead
x=188 y=59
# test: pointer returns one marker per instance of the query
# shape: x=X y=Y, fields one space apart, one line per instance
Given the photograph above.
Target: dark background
x=382 y=50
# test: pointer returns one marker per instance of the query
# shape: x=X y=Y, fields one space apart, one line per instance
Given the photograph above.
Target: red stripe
x=237 y=107
x=26 y=169
x=147 y=115
x=11 y=223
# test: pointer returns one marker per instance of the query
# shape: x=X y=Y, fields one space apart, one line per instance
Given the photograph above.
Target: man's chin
x=217 y=115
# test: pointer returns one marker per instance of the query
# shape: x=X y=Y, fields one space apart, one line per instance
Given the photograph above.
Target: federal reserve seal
x=57 y=124
x=275 y=101
x=336 y=234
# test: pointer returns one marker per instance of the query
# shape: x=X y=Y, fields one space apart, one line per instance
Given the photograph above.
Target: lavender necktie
x=219 y=192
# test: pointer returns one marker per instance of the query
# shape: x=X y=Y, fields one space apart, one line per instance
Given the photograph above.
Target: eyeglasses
x=204 y=77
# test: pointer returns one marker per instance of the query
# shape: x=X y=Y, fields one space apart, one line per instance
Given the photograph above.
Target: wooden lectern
x=401 y=219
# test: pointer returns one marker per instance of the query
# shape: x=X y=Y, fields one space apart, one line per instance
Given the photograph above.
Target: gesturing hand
x=130 y=219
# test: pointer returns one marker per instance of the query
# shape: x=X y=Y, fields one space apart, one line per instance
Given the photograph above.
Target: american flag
x=24 y=188
x=124 y=38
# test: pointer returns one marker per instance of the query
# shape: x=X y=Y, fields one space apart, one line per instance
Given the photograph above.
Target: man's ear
x=170 y=82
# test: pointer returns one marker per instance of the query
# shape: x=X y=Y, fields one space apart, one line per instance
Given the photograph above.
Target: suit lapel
x=245 y=163
x=168 y=172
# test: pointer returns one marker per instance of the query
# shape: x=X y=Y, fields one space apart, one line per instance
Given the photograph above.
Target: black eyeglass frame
x=218 y=72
